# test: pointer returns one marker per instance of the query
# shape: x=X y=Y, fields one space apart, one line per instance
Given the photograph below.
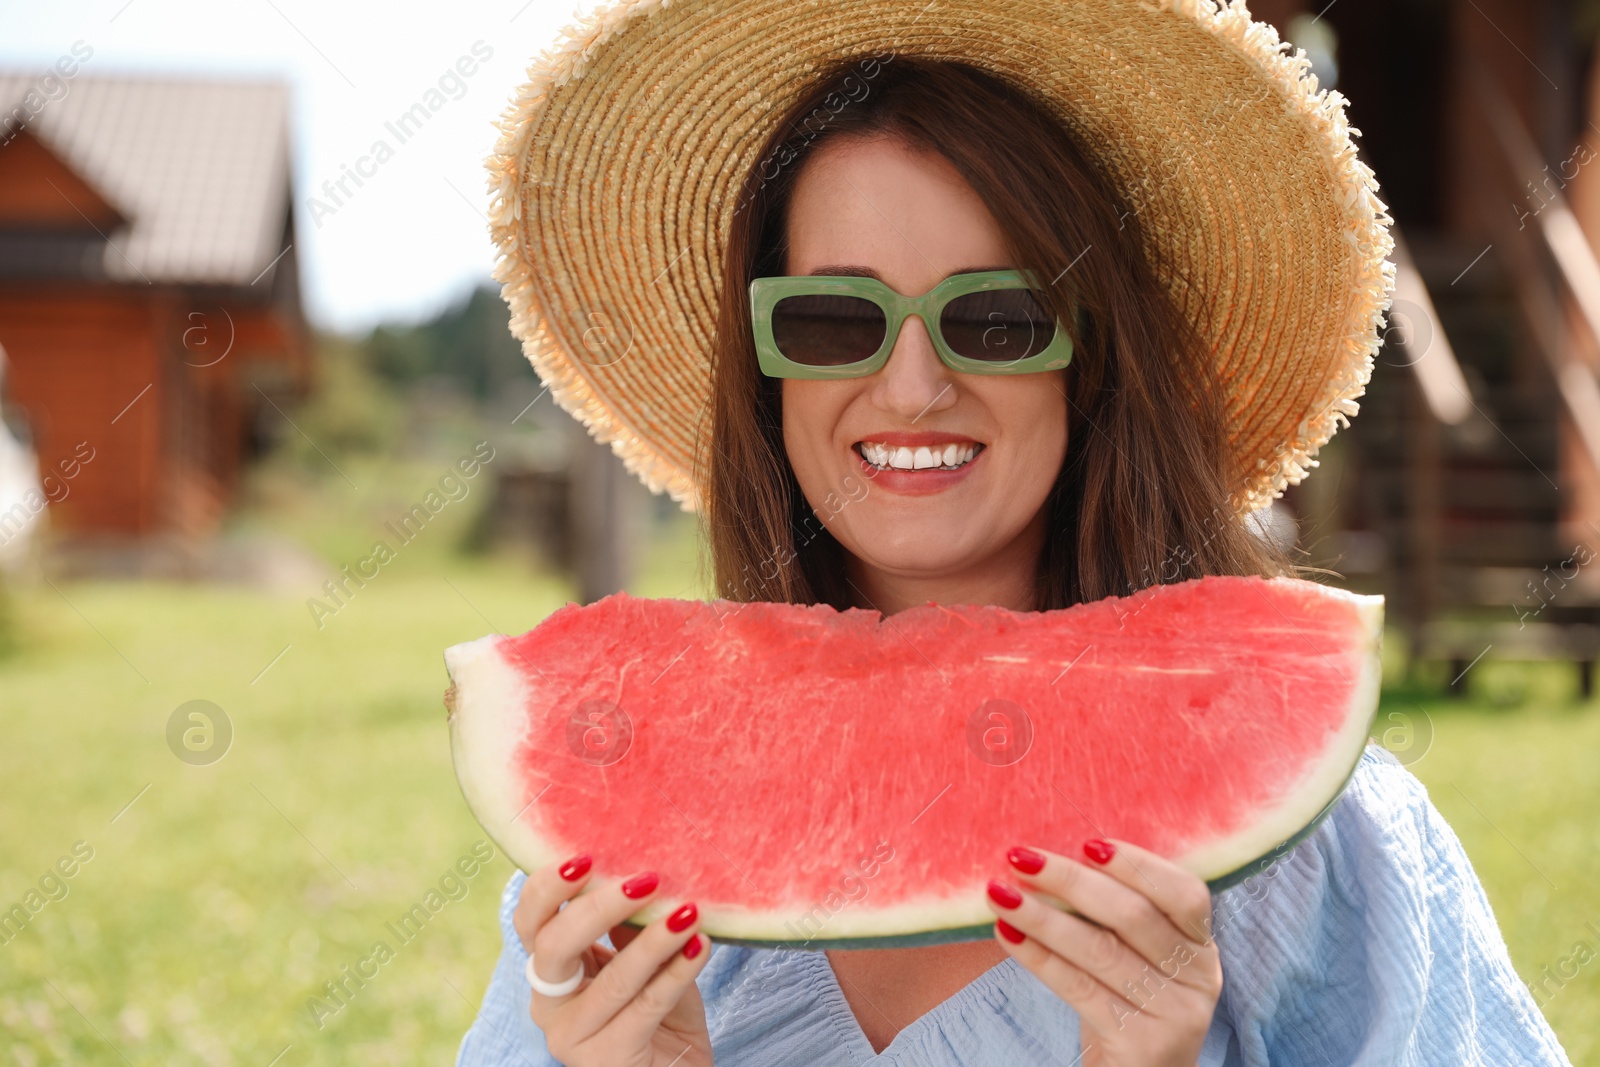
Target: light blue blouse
x=1371 y=943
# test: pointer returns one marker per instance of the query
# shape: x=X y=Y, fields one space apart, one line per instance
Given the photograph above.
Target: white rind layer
x=488 y=725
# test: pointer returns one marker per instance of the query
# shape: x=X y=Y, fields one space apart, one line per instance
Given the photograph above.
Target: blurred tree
x=399 y=354
x=350 y=410
x=470 y=342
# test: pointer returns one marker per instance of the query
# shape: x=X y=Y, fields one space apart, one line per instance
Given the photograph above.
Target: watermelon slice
x=819 y=778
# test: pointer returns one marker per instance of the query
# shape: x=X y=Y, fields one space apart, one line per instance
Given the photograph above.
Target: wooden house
x=149 y=295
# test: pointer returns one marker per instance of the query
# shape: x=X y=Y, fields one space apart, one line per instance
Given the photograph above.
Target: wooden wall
x=76 y=362
x=157 y=382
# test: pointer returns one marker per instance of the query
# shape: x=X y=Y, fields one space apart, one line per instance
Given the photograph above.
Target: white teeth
x=950 y=457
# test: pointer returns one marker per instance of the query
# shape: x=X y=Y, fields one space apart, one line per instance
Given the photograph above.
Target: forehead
x=899 y=213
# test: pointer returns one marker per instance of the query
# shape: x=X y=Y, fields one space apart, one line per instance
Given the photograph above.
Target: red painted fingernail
x=1099 y=851
x=692 y=949
x=641 y=885
x=1026 y=860
x=1004 y=895
x=682 y=919
x=1009 y=932
x=576 y=868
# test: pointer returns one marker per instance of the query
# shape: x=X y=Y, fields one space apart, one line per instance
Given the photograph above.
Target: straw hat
x=619 y=165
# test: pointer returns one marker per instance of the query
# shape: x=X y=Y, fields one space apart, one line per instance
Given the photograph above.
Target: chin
x=919 y=562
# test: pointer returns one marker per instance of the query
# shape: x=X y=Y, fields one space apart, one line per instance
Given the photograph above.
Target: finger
x=631 y=971
x=543 y=893
x=1101 y=1010
x=672 y=992
x=1120 y=900
x=1097 y=951
x=1180 y=894
x=622 y=934
x=631 y=967
x=562 y=939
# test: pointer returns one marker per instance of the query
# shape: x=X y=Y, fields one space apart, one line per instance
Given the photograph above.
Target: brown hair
x=1142 y=495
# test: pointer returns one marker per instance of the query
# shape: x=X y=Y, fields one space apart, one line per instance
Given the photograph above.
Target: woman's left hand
x=1137 y=962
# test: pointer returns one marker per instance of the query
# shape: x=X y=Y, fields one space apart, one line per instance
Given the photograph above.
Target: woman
x=990 y=476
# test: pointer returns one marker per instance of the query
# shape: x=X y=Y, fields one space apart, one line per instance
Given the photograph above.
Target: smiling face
x=958 y=466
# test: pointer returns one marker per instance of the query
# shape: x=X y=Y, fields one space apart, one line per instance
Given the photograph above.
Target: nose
x=914 y=383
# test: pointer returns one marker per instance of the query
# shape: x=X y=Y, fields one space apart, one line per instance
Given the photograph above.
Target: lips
x=917 y=463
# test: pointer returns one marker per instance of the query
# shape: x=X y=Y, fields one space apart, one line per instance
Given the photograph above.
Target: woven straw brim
x=619 y=165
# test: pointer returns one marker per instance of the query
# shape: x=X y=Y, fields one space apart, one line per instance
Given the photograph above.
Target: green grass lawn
x=1520 y=785
x=220 y=898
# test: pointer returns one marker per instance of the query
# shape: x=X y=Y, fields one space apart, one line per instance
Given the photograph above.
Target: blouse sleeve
x=1373 y=944
x=504 y=1034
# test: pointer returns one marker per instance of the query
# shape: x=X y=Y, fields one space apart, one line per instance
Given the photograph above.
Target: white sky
x=407 y=243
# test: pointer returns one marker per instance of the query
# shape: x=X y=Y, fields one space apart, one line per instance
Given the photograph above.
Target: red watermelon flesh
x=811 y=776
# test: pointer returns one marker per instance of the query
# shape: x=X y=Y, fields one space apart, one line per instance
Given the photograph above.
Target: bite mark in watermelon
x=840 y=779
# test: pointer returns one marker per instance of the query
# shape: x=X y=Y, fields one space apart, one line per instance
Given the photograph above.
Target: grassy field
x=217 y=899
x=1516 y=772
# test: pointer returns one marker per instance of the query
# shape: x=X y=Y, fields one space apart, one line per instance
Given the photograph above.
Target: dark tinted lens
x=997 y=325
x=826 y=330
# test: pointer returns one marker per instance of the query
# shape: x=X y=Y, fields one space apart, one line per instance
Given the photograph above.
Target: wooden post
x=601 y=509
x=1424 y=471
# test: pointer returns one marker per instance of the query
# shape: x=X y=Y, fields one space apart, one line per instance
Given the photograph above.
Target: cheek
x=811 y=413
x=1033 y=413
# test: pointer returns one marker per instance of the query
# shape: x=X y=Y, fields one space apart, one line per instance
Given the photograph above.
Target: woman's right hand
x=638 y=1006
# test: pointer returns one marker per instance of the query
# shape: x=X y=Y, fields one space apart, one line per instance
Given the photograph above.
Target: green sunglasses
x=988 y=322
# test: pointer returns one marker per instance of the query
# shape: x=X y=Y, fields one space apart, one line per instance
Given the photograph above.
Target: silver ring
x=553 y=989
